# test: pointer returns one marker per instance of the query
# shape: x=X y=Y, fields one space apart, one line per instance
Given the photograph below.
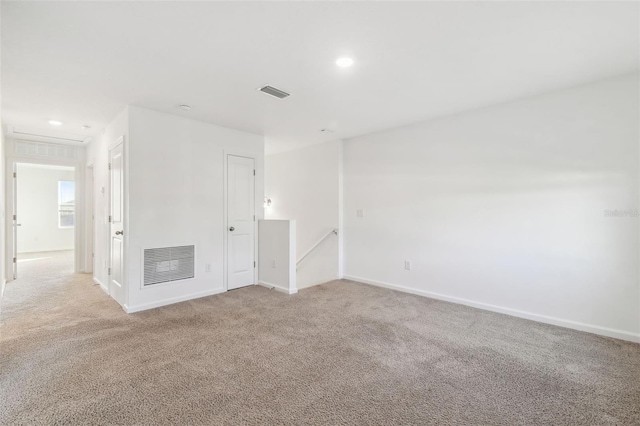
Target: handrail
x=333 y=231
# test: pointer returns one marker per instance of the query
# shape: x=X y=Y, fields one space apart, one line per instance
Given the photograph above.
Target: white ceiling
x=82 y=62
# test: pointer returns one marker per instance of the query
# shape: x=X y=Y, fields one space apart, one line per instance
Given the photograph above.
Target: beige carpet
x=339 y=353
x=41 y=279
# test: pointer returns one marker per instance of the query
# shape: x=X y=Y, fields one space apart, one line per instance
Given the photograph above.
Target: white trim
x=575 y=325
x=315 y=283
x=277 y=287
x=102 y=286
x=164 y=302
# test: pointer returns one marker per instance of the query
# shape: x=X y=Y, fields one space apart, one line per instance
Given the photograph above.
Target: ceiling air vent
x=46 y=135
x=270 y=90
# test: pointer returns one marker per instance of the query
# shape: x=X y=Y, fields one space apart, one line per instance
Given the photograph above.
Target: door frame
x=11 y=206
x=225 y=203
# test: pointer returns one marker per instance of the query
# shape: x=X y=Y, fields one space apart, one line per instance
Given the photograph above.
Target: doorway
x=241 y=222
x=44 y=224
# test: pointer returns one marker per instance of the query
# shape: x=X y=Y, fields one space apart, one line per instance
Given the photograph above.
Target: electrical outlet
x=407 y=265
x=273 y=263
x=360 y=213
x=207 y=267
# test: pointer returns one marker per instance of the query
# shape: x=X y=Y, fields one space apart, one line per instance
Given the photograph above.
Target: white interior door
x=116 y=183
x=240 y=222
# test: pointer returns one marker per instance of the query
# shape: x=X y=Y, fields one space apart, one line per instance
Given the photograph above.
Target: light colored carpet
x=338 y=353
x=42 y=278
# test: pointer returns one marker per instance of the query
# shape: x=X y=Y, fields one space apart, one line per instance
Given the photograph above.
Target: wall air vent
x=270 y=90
x=166 y=264
x=45 y=150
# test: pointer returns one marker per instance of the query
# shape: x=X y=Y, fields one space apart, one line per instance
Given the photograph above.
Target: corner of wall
x=341 y=230
x=3 y=271
x=293 y=285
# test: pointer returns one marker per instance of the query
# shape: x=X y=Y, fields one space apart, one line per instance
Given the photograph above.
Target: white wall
x=175 y=173
x=89 y=203
x=304 y=185
x=504 y=207
x=38 y=209
x=3 y=210
x=98 y=157
x=277 y=254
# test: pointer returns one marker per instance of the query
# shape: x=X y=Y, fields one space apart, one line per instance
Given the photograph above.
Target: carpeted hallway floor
x=338 y=353
x=41 y=279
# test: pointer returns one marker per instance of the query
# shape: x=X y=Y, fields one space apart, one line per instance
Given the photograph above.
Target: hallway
x=47 y=284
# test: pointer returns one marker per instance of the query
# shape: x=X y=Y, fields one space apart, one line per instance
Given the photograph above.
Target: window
x=66 y=203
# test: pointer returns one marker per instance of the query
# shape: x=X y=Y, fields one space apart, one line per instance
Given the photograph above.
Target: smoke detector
x=270 y=90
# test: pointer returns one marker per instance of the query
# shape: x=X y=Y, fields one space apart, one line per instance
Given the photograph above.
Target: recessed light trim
x=185 y=107
x=85 y=127
x=344 y=62
x=55 y=122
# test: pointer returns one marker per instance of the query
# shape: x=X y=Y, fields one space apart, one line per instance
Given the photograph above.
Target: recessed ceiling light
x=55 y=122
x=326 y=130
x=85 y=127
x=344 y=62
x=185 y=107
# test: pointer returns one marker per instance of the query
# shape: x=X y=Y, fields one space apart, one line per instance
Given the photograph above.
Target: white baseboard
x=575 y=325
x=278 y=288
x=102 y=286
x=172 y=300
x=337 y=277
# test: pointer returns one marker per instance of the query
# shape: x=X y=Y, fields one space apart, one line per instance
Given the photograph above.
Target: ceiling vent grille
x=46 y=136
x=270 y=90
x=166 y=264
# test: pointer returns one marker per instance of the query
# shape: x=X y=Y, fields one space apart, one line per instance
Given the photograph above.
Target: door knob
x=119 y=233
x=232 y=229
